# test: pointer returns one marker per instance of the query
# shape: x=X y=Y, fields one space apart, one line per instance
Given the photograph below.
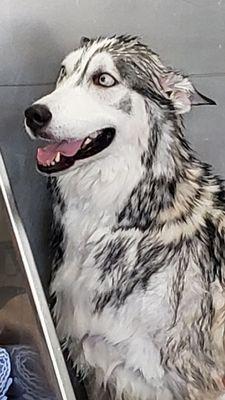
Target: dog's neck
x=175 y=187
x=133 y=191
x=95 y=193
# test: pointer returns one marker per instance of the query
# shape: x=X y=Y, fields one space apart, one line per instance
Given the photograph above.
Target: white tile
x=28 y=186
x=35 y=35
x=206 y=124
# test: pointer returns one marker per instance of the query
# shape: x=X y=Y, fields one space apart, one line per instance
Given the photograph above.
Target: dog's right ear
x=84 y=40
x=182 y=92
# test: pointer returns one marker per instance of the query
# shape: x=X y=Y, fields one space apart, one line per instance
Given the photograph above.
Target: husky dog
x=139 y=272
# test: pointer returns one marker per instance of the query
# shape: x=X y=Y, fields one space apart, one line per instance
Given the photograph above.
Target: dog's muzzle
x=60 y=155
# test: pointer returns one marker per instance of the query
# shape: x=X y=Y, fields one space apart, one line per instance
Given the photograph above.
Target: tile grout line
x=208 y=75
x=26 y=84
x=197 y=75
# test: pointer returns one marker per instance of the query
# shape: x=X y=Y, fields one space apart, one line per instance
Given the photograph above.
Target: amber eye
x=105 y=80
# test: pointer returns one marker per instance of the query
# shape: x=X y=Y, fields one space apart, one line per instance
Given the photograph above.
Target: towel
x=5 y=371
x=22 y=375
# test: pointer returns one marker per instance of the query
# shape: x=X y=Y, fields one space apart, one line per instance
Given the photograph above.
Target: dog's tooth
x=87 y=141
x=53 y=163
x=57 y=158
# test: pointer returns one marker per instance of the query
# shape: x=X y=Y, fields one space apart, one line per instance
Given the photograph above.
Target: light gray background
x=36 y=34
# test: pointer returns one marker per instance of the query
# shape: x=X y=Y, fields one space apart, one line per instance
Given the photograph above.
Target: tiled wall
x=35 y=35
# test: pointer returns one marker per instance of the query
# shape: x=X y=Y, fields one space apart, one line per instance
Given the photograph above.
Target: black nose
x=37 y=116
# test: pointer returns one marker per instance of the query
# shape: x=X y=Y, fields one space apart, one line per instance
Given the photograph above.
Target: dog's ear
x=199 y=99
x=183 y=94
x=84 y=40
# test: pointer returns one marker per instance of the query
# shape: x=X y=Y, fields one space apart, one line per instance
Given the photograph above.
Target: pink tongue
x=48 y=153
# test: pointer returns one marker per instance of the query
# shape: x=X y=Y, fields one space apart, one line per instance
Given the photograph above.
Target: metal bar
x=39 y=299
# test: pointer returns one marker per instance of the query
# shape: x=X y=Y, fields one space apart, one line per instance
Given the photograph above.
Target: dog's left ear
x=183 y=94
x=84 y=40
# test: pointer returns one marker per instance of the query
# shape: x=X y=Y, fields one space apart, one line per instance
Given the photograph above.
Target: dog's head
x=99 y=105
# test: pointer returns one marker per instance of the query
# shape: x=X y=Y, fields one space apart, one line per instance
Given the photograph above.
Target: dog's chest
x=90 y=285
x=140 y=322
x=76 y=280
x=120 y=329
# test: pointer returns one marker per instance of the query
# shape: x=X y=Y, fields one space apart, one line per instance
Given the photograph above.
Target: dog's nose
x=37 y=116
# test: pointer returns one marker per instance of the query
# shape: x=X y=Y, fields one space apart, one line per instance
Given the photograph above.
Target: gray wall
x=36 y=34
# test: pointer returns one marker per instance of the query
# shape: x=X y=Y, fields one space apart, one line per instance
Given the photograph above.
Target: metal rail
x=39 y=299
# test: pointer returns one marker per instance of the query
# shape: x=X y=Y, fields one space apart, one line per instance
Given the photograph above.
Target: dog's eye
x=105 y=80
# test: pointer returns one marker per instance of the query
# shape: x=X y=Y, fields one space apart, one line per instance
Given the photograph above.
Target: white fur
x=94 y=191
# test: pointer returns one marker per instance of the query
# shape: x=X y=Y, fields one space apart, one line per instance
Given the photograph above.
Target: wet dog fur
x=139 y=270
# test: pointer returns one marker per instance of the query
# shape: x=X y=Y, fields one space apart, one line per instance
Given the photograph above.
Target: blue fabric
x=22 y=376
x=29 y=376
x=5 y=371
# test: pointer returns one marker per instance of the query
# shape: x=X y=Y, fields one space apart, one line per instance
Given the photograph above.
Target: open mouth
x=59 y=156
